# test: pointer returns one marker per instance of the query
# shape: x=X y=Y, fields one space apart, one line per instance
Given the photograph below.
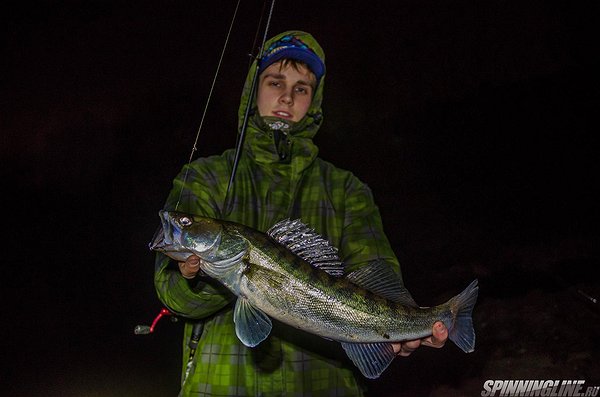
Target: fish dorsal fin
x=252 y=326
x=371 y=358
x=308 y=245
x=379 y=278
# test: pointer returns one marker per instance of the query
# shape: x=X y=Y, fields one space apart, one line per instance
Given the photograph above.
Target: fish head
x=181 y=235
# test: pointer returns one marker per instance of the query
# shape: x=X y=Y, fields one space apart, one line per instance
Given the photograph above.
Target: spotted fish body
x=293 y=275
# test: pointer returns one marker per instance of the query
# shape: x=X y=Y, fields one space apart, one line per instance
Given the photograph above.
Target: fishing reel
x=148 y=329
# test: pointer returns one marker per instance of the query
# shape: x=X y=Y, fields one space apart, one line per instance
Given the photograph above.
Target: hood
x=309 y=125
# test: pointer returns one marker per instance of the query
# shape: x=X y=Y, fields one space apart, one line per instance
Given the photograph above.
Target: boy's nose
x=286 y=98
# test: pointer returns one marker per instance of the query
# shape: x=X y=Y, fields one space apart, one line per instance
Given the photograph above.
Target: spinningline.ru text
x=544 y=388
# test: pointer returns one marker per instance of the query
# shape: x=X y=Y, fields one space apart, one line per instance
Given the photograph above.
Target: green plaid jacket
x=266 y=190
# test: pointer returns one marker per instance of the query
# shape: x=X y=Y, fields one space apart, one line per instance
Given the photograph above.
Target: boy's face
x=285 y=92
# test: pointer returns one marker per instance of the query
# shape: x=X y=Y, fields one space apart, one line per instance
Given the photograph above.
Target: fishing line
x=145 y=329
x=262 y=12
x=195 y=147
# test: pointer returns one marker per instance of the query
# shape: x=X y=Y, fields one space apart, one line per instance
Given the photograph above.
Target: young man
x=279 y=176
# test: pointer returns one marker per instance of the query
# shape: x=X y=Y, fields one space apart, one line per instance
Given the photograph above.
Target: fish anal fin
x=379 y=278
x=252 y=326
x=370 y=358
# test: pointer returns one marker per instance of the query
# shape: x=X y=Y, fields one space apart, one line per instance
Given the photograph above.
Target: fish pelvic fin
x=252 y=326
x=370 y=358
x=461 y=331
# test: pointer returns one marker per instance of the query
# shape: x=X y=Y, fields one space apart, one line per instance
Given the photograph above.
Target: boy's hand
x=190 y=268
x=437 y=339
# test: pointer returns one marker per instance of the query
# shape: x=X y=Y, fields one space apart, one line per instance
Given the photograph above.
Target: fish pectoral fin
x=252 y=326
x=371 y=358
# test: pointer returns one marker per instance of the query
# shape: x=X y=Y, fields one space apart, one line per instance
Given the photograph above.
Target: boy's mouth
x=282 y=114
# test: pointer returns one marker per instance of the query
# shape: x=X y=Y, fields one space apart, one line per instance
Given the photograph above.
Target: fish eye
x=185 y=221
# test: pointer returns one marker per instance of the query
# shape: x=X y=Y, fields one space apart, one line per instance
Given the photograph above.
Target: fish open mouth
x=161 y=240
x=158 y=240
x=165 y=239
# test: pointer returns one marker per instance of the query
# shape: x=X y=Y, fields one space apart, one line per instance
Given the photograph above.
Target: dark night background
x=474 y=123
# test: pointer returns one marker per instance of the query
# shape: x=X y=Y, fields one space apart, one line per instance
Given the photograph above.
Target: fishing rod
x=242 y=134
x=198 y=327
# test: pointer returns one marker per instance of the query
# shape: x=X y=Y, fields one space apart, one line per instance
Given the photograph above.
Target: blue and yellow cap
x=291 y=47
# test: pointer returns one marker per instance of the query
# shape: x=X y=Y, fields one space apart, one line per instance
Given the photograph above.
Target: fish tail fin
x=461 y=331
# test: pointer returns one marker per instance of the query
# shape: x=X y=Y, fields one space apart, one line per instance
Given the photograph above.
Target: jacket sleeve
x=363 y=239
x=200 y=297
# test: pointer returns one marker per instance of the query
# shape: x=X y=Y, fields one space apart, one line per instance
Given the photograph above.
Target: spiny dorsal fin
x=308 y=245
x=380 y=279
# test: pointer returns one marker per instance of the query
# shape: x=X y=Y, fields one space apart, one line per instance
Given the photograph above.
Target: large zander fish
x=295 y=276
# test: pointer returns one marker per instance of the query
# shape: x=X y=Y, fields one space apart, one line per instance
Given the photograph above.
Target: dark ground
x=475 y=124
